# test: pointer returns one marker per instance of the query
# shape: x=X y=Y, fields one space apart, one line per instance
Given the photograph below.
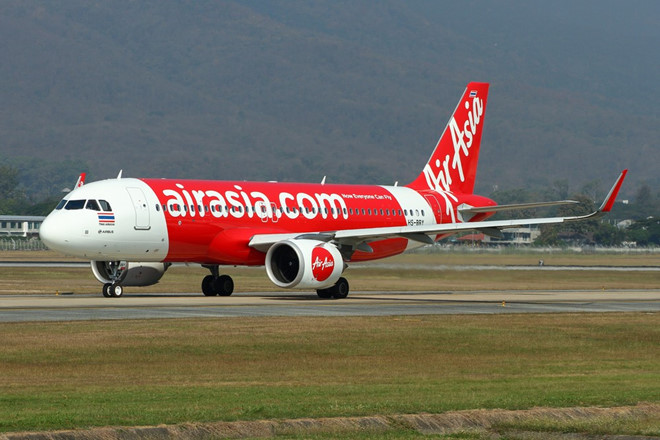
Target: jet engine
x=131 y=273
x=304 y=264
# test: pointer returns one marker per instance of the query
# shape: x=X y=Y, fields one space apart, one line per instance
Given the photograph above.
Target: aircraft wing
x=359 y=238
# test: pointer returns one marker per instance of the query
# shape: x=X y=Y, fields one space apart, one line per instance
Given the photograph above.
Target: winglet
x=81 y=180
x=611 y=196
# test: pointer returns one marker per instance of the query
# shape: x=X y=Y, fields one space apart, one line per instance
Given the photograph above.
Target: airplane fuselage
x=212 y=222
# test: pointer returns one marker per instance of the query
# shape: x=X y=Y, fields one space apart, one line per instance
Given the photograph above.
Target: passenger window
x=157 y=207
x=405 y=212
x=105 y=206
x=417 y=212
x=60 y=205
x=422 y=212
x=91 y=204
x=74 y=204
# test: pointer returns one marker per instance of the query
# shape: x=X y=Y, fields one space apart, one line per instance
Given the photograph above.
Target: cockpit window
x=74 y=204
x=61 y=204
x=91 y=204
x=105 y=206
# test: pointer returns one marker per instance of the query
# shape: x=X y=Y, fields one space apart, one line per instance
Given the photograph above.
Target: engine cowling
x=304 y=264
x=135 y=273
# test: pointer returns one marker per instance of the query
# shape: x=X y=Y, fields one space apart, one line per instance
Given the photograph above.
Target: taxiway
x=17 y=308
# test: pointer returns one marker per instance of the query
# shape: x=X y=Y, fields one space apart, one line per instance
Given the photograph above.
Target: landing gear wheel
x=223 y=285
x=340 y=289
x=115 y=290
x=324 y=293
x=207 y=286
x=106 y=290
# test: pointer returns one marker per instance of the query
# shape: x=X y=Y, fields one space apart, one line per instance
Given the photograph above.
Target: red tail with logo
x=453 y=164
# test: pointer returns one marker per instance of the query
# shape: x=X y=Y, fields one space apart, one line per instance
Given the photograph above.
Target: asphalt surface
x=21 y=308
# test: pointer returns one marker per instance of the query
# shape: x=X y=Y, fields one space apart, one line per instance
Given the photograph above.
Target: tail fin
x=453 y=164
x=81 y=181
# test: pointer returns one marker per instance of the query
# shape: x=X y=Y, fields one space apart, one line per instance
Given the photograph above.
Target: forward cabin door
x=141 y=209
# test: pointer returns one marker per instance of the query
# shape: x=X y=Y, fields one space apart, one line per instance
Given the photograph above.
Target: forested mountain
x=355 y=90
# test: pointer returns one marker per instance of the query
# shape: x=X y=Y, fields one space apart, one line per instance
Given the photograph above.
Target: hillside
x=354 y=90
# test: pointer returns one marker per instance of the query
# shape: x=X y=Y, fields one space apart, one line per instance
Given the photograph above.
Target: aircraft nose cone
x=50 y=233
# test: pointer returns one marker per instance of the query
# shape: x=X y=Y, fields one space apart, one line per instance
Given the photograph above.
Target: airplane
x=305 y=234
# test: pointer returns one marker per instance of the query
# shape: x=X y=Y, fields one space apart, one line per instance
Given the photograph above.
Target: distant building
x=20 y=225
x=514 y=236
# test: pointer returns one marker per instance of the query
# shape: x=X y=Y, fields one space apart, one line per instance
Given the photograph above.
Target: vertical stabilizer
x=453 y=164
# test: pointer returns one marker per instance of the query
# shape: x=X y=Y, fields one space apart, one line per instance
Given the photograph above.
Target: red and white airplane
x=304 y=234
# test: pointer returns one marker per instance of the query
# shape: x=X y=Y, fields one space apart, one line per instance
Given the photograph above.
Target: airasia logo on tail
x=438 y=173
x=322 y=263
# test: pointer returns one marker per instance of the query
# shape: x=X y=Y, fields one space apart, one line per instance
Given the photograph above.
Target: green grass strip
x=76 y=375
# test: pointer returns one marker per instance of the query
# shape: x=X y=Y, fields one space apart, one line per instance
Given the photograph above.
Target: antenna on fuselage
x=119 y=175
x=396 y=183
x=323 y=181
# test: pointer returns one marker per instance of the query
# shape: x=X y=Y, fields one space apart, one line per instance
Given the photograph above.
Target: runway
x=23 y=308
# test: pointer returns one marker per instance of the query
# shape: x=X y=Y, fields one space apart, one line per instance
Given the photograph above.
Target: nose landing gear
x=116 y=271
x=112 y=290
x=216 y=284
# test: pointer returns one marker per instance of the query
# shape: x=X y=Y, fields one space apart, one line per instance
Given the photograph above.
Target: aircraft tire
x=207 y=286
x=340 y=289
x=106 y=290
x=115 y=290
x=324 y=293
x=223 y=285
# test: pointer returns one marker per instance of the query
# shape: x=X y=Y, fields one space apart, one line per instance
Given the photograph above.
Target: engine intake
x=304 y=264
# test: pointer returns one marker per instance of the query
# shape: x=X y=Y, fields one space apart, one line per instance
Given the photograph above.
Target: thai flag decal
x=106 y=218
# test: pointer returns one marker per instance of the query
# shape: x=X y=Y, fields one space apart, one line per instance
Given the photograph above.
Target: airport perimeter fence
x=17 y=244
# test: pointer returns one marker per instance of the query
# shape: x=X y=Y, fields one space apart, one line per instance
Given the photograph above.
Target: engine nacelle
x=304 y=264
x=134 y=274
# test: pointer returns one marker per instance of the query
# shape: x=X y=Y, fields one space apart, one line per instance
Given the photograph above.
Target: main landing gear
x=338 y=291
x=216 y=284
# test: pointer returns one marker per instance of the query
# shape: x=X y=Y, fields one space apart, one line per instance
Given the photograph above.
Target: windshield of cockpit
x=91 y=204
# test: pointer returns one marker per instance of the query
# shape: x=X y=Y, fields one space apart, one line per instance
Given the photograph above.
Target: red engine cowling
x=304 y=264
x=135 y=274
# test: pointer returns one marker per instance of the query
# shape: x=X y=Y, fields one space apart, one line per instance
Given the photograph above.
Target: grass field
x=73 y=375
